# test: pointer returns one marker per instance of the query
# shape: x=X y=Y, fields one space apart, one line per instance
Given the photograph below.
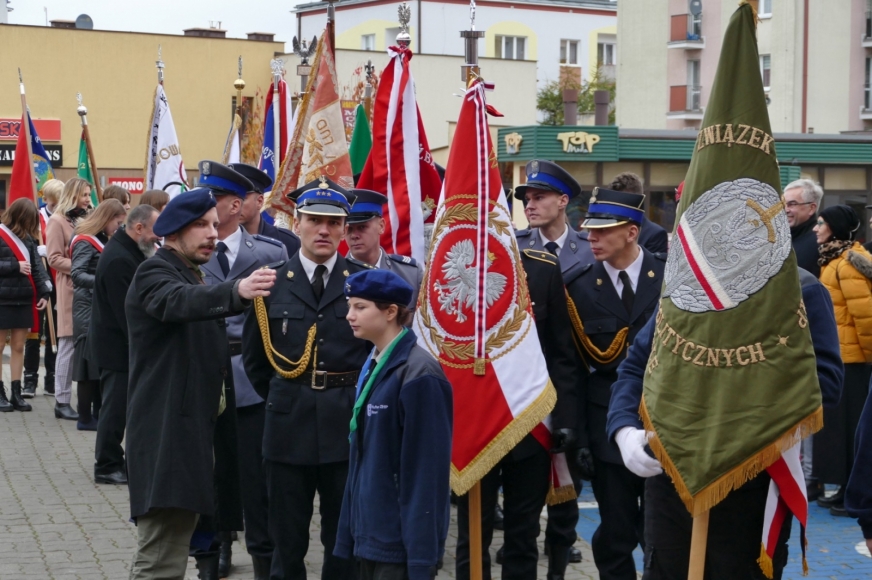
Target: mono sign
x=55 y=155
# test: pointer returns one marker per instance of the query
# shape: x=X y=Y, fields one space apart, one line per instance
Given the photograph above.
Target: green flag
x=731 y=382
x=361 y=141
x=84 y=171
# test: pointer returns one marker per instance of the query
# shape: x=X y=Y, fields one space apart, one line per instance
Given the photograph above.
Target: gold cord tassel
x=602 y=357
x=272 y=353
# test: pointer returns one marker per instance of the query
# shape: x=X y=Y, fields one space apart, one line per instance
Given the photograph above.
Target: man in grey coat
x=179 y=363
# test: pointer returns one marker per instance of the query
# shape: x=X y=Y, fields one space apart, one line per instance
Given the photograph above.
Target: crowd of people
x=232 y=369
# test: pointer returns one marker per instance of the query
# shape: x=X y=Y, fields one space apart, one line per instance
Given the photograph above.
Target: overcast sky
x=166 y=16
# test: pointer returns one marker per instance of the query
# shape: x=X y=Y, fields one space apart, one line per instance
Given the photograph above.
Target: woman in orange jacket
x=846 y=271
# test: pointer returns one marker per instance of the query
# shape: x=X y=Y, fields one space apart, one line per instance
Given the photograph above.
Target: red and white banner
x=786 y=495
x=400 y=165
x=88 y=239
x=474 y=310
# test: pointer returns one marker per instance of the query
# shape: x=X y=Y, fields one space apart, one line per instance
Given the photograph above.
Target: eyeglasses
x=793 y=204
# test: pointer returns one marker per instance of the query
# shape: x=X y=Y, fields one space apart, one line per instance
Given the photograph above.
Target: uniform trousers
x=109 y=453
x=369 y=570
x=734 y=535
x=255 y=502
x=32 y=345
x=562 y=521
x=291 y=490
x=525 y=487
x=64 y=370
x=162 y=546
x=619 y=493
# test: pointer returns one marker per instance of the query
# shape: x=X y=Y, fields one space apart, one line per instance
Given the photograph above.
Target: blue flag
x=41 y=160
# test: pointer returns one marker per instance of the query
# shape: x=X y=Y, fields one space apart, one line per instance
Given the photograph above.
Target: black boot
x=48 y=384
x=64 y=411
x=261 y=567
x=558 y=559
x=208 y=567
x=18 y=403
x=30 y=381
x=225 y=558
x=5 y=405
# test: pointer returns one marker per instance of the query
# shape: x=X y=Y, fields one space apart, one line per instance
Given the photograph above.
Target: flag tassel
x=765 y=562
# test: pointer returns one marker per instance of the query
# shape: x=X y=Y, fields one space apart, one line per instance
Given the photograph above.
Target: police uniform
x=573 y=248
x=603 y=328
x=261 y=182
x=525 y=471
x=367 y=206
x=243 y=253
x=307 y=377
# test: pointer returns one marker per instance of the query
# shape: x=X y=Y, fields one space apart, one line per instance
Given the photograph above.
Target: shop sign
x=54 y=152
x=47 y=129
x=513 y=143
x=578 y=141
x=131 y=184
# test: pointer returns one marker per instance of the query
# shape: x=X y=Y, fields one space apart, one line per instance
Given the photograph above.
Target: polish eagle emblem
x=459 y=291
x=304 y=51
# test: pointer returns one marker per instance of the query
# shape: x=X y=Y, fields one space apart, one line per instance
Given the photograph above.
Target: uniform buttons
x=269 y=405
x=320 y=317
x=320 y=341
x=285 y=312
x=321 y=364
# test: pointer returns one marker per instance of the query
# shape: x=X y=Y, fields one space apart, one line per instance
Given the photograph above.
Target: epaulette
x=576 y=271
x=660 y=255
x=547 y=257
x=357 y=262
x=403 y=259
x=274 y=265
x=523 y=233
x=268 y=240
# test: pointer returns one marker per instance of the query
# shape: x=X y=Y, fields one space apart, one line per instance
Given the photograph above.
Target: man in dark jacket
x=736 y=524
x=250 y=217
x=179 y=365
x=858 y=496
x=107 y=334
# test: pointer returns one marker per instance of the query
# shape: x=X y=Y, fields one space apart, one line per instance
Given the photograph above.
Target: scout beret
x=259 y=179
x=184 y=209
x=550 y=177
x=611 y=208
x=379 y=286
x=322 y=197
x=223 y=180
x=368 y=205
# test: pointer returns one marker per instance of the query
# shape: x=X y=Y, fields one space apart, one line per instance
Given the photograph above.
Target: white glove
x=48 y=284
x=41 y=251
x=631 y=442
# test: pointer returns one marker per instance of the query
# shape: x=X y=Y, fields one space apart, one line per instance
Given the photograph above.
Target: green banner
x=84 y=171
x=361 y=141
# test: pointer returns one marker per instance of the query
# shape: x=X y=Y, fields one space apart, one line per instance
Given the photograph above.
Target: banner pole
x=698 y=541
x=276 y=66
x=83 y=113
x=475 y=548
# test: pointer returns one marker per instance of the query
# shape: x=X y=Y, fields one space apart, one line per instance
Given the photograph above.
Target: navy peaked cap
x=548 y=176
x=369 y=204
x=260 y=180
x=223 y=180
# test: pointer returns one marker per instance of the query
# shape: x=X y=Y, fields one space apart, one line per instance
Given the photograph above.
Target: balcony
x=685 y=102
x=866 y=111
x=685 y=32
x=866 y=41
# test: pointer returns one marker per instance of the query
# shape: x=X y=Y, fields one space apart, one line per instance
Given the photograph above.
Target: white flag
x=231 y=147
x=163 y=159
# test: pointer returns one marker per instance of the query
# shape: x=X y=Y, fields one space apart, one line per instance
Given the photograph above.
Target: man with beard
x=125 y=251
x=179 y=365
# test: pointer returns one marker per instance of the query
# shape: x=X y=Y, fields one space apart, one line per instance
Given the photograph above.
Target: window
x=765 y=8
x=694 y=26
x=367 y=42
x=868 y=99
x=693 y=89
x=606 y=53
x=510 y=47
x=765 y=69
x=568 y=52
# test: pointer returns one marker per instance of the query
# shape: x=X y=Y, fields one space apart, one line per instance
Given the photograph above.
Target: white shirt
x=309 y=267
x=633 y=271
x=559 y=241
x=232 y=242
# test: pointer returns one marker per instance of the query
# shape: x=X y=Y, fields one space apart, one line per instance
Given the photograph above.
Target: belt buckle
x=315 y=375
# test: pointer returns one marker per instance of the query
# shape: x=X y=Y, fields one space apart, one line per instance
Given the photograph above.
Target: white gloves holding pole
x=632 y=442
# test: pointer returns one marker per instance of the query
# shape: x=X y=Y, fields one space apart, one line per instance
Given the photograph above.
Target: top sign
x=47 y=129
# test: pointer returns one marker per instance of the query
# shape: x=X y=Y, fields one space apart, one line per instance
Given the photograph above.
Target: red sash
x=86 y=238
x=22 y=255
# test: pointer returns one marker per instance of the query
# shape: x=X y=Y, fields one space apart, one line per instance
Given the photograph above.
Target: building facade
x=815 y=60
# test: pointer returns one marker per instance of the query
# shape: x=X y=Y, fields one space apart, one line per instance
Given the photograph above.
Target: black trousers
x=109 y=453
x=31 y=346
x=255 y=502
x=291 y=491
x=734 y=536
x=525 y=487
x=618 y=492
x=369 y=570
x=562 y=521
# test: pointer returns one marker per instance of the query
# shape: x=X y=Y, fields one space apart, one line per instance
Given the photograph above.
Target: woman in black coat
x=24 y=287
x=85 y=249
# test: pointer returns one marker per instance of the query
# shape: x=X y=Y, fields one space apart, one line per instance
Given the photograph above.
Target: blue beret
x=549 y=177
x=323 y=197
x=379 y=286
x=223 y=180
x=183 y=209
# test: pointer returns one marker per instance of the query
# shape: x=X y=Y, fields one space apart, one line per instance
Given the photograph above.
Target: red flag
x=23 y=176
x=474 y=311
x=400 y=165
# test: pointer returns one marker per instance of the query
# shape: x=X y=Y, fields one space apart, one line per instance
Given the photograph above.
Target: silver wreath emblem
x=737 y=236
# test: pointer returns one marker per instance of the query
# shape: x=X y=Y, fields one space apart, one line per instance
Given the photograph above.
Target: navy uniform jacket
x=858 y=496
x=305 y=426
x=287 y=237
x=603 y=315
x=405 y=267
x=652 y=237
x=254 y=252
x=627 y=390
x=575 y=251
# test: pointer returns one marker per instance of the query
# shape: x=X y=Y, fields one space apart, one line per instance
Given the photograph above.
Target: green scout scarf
x=363 y=393
x=731 y=381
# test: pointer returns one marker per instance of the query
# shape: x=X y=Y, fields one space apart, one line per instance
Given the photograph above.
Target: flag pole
x=25 y=124
x=470 y=70
x=367 y=91
x=276 y=66
x=238 y=84
x=331 y=26
x=698 y=541
x=83 y=113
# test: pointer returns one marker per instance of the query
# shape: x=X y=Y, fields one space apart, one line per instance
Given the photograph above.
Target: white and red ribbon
x=22 y=255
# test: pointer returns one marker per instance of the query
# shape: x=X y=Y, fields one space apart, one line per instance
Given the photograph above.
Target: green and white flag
x=84 y=171
x=361 y=141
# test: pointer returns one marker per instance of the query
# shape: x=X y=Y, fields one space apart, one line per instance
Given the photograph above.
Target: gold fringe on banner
x=765 y=562
x=563 y=494
x=715 y=492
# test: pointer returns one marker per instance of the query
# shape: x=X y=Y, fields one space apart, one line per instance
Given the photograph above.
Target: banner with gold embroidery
x=731 y=383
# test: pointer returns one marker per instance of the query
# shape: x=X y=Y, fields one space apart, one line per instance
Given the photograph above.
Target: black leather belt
x=320 y=380
x=235 y=348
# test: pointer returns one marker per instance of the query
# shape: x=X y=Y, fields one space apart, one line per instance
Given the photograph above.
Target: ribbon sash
x=86 y=238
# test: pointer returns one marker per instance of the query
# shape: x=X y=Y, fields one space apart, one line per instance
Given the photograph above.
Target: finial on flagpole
x=239 y=84
x=20 y=81
x=470 y=68
x=472 y=14
x=82 y=110
x=160 y=65
x=404 y=39
x=276 y=65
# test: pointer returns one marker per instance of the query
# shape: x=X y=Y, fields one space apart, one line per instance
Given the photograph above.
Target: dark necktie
x=551 y=247
x=318 y=282
x=627 y=294
x=222 y=258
